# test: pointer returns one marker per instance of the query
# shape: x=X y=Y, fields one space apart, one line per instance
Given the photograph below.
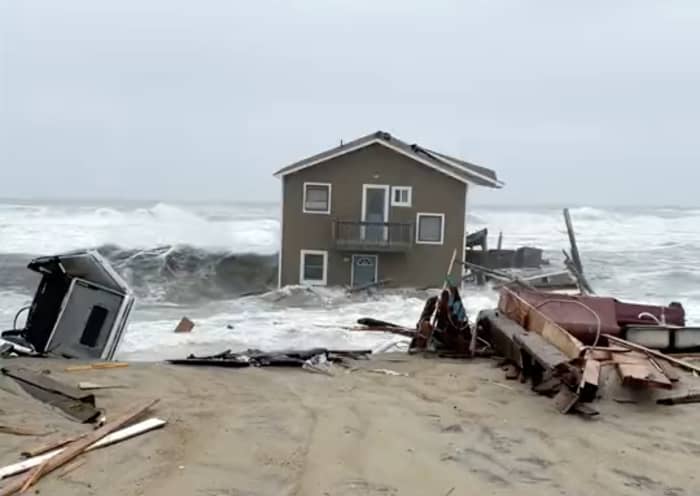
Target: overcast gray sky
x=594 y=102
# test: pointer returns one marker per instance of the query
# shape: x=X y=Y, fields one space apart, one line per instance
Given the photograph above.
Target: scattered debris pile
x=315 y=359
x=500 y=258
x=562 y=346
x=78 y=406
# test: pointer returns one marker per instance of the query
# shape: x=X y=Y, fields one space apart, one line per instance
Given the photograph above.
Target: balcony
x=372 y=236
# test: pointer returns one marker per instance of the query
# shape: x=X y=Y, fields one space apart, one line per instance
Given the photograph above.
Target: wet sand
x=450 y=427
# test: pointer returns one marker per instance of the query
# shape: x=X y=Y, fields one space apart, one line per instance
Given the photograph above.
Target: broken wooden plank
x=75 y=403
x=565 y=400
x=96 y=366
x=115 y=437
x=185 y=325
x=51 y=446
x=680 y=400
x=667 y=369
x=589 y=380
x=20 y=431
x=576 y=257
x=544 y=353
x=76 y=448
x=512 y=372
x=654 y=353
x=532 y=319
x=87 y=386
x=636 y=369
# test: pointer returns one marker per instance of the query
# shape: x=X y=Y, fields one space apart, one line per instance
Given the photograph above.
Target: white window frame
x=321 y=212
x=407 y=203
x=442 y=228
x=313 y=282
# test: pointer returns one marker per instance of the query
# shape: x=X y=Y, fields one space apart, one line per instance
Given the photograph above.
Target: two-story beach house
x=375 y=209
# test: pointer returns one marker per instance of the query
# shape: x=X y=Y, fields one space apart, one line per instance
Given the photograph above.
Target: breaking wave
x=173 y=274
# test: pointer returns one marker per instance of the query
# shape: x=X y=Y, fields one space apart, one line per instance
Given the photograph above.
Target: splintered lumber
x=667 y=369
x=51 y=446
x=680 y=400
x=572 y=240
x=97 y=365
x=519 y=310
x=19 y=431
x=87 y=386
x=185 y=325
x=115 y=437
x=590 y=379
x=77 y=404
x=636 y=369
x=654 y=353
x=76 y=448
x=548 y=356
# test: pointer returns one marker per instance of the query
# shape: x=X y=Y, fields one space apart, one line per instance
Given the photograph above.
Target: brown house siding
x=433 y=192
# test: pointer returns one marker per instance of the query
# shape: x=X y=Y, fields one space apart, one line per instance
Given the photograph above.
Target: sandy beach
x=448 y=427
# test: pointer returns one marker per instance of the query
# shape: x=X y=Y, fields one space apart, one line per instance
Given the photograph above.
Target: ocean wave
x=44 y=230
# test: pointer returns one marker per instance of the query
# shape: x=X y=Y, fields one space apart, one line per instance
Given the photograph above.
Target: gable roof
x=458 y=169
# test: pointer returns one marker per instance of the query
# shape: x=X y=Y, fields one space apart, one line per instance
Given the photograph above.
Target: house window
x=317 y=198
x=314 y=267
x=430 y=228
x=401 y=196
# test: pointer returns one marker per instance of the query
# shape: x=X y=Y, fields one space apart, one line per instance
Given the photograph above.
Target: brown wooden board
x=548 y=356
x=636 y=369
x=77 y=404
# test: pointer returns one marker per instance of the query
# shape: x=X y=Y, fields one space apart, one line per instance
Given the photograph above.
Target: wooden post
x=572 y=239
x=500 y=240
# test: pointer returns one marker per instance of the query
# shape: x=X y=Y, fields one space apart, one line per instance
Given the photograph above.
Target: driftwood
x=75 y=449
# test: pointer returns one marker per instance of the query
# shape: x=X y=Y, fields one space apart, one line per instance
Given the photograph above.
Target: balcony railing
x=372 y=236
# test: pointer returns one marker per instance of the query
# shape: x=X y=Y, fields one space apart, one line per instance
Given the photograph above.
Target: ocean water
x=216 y=264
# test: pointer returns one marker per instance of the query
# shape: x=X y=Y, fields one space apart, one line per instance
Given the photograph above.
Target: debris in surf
x=185 y=325
x=284 y=358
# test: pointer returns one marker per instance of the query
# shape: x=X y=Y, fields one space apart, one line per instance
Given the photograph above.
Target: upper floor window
x=430 y=228
x=317 y=198
x=401 y=196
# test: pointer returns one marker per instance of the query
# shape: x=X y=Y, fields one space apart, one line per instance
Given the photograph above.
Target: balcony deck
x=372 y=236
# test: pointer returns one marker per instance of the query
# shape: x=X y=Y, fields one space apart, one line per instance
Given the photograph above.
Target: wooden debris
x=86 y=386
x=635 y=369
x=115 y=437
x=590 y=379
x=75 y=449
x=96 y=366
x=20 y=431
x=76 y=404
x=680 y=400
x=526 y=315
x=565 y=400
x=549 y=387
x=667 y=369
x=512 y=372
x=71 y=467
x=185 y=325
x=52 y=445
x=654 y=353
